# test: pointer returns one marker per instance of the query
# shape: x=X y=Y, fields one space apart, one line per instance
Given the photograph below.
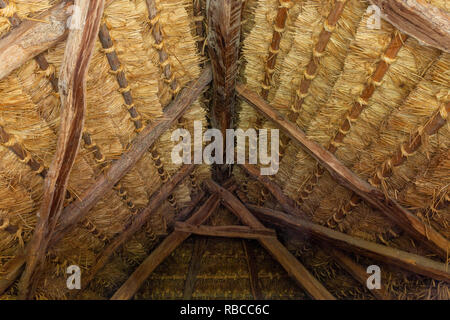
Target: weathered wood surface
x=239 y=232
x=170 y=243
x=72 y=89
x=139 y=220
x=419 y=19
x=293 y=267
x=344 y=176
x=402 y=259
x=78 y=209
x=32 y=37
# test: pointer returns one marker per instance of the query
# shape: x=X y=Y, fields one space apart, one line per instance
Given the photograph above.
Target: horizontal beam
x=419 y=19
x=402 y=259
x=344 y=176
x=170 y=243
x=293 y=267
x=240 y=232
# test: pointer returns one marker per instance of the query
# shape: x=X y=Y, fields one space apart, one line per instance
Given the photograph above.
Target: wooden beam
x=33 y=37
x=224 y=32
x=78 y=209
x=293 y=267
x=200 y=245
x=139 y=220
x=170 y=243
x=419 y=19
x=344 y=176
x=287 y=204
x=72 y=89
x=402 y=259
x=239 y=232
x=224 y=28
x=252 y=271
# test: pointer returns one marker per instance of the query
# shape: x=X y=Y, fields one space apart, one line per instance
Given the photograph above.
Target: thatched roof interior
x=128 y=87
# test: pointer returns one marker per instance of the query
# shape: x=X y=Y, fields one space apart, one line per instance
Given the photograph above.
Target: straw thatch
x=129 y=85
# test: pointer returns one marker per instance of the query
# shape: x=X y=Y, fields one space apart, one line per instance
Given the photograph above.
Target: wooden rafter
x=293 y=267
x=72 y=89
x=356 y=271
x=344 y=176
x=402 y=259
x=170 y=243
x=288 y=205
x=78 y=209
x=419 y=19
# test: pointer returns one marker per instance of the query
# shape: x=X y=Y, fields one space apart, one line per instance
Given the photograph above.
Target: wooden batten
x=140 y=219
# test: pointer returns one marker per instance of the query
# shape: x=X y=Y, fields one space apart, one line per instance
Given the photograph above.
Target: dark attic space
x=224 y=150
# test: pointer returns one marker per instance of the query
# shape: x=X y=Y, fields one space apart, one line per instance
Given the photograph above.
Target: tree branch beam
x=72 y=89
x=78 y=209
x=287 y=204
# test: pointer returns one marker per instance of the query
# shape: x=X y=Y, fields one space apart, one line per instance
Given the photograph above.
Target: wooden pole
x=78 y=209
x=72 y=89
x=344 y=176
x=32 y=37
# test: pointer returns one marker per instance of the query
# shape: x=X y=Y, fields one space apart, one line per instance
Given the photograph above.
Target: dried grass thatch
x=414 y=89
